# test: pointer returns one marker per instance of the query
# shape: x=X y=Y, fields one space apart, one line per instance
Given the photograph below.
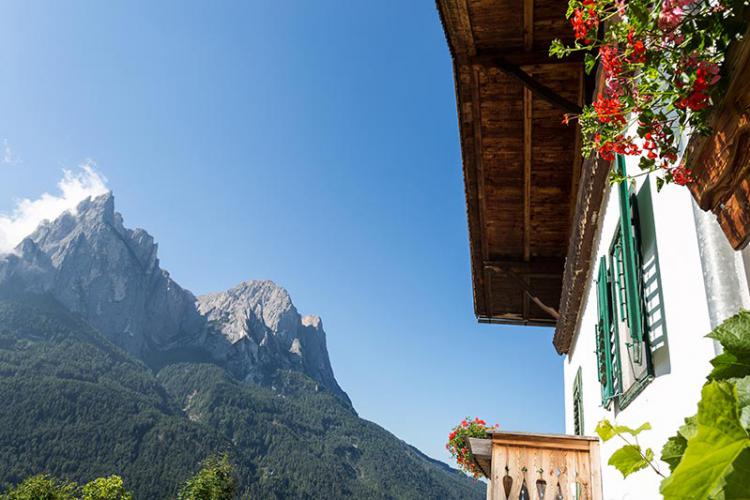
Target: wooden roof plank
x=478 y=158
x=528 y=25
x=527 y=152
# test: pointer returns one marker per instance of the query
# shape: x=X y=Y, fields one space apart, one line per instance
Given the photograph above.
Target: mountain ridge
x=108 y=366
x=111 y=275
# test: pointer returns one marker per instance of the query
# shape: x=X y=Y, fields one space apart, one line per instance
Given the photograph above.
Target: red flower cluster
x=637 y=49
x=706 y=74
x=621 y=145
x=681 y=175
x=458 y=445
x=611 y=61
x=658 y=142
x=610 y=110
x=585 y=20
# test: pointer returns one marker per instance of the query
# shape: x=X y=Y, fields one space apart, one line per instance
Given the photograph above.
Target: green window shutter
x=578 y=404
x=630 y=260
x=603 y=334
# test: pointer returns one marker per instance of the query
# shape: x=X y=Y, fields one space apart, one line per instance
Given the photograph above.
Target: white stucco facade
x=679 y=349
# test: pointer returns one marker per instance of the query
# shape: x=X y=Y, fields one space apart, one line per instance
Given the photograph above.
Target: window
x=578 y=405
x=622 y=341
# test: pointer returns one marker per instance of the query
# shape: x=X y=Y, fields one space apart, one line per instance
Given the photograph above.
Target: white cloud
x=74 y=187
x=8 y=157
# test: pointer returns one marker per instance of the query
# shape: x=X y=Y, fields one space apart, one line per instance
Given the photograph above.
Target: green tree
x=215 y=481
x=42 y=487
x=106 y=488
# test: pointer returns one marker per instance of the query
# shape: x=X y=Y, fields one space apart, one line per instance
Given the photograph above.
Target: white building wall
x=681 y=355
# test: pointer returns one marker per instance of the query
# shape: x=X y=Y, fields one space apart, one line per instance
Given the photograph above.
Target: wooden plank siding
x=572 y=462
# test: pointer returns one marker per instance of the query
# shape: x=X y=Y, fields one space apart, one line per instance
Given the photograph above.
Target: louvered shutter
x=603 y=333
x=630 y=260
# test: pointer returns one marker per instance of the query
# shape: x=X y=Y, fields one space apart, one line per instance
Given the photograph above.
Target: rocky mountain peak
x=109 y=274
x=260 y=319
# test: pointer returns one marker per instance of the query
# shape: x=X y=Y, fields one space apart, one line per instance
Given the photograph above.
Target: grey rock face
x=110 y=275
x=268 y=333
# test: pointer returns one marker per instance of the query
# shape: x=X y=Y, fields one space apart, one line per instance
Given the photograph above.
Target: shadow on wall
x=652 y=286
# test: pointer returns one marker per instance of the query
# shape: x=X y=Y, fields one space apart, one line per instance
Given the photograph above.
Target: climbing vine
x=709 y=456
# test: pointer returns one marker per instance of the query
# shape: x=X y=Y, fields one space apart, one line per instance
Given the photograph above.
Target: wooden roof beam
x=542 y=268
x=519 y=57
x=478 y=159
x=527 y=289
x=527 y=150
x=538 y=89
x=528 y=25
x=522 y=283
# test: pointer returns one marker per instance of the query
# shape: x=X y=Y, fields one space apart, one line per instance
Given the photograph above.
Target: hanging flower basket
x=458 y=443
x=662 y=71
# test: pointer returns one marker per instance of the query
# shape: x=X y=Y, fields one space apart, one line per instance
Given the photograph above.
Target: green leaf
x=659 y=184
x=556 y=48
x=734 y=334
x=690 y=428
x=607 y=431
x=628 y=459
x=674 y=448
x=638 y=11
x=589 y=61
x=572 y=4
x=736 y=483
x=743 y=401
x=716 y=451
x=673 y=451
x=727 y=365
x=646 y=163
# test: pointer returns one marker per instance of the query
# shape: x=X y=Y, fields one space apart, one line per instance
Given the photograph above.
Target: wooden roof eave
x=520 y=64
x=592 y=191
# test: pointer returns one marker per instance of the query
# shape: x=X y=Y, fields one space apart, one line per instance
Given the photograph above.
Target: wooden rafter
x=478 y=158
x=547 y=268
x=538 y=89
x=528 y=25
x=527 y=149
x=524 y=285
x=578 y=159
x=519 y=57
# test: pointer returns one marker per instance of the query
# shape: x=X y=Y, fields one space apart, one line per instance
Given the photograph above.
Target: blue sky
x=313 y=143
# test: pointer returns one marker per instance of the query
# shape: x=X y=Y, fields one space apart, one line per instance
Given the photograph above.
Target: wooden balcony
x=539 y=466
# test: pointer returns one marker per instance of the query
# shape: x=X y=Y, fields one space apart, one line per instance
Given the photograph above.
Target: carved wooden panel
x=546 y=466
x=721 y=162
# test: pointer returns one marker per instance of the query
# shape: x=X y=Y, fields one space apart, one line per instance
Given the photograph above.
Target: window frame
x=578 y=420
x=621 y=300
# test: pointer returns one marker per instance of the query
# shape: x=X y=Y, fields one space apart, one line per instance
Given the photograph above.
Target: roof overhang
x=521 y=165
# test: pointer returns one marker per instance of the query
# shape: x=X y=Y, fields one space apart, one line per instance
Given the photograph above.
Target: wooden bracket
x=526 y=288
x=538 y=89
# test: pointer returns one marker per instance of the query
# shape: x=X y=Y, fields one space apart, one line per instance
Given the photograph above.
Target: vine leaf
x=606 y=430
x=674 y=448
x=734 y=362
x=717 y=454
x=629 y=459
x=733 y=334
x=727 y=365
x=673 y=451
